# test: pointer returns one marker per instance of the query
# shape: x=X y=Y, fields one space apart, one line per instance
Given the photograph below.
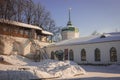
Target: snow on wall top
x=24 y=25
x=90 y=39
x=19 y=24
x=46 y=32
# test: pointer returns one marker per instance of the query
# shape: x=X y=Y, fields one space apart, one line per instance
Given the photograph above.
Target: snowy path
x=99 y=73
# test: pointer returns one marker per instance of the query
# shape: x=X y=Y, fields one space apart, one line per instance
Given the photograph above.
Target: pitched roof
x=90 y=39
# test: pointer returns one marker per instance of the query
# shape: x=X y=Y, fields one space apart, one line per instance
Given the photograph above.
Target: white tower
x=70 y=31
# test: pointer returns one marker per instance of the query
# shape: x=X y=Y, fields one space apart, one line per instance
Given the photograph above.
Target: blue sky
x=88 y=15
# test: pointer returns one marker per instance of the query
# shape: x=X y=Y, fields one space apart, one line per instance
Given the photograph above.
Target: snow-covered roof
x=47 y=33
x=113 y=33
x=90 y=39
x=24 y=25
x=19 y=24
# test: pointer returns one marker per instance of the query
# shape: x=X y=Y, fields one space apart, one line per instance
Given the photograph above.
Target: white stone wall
x=77 y=34
x=17 y=45
x=69 y=35
x=6 y=45
x=90 y=48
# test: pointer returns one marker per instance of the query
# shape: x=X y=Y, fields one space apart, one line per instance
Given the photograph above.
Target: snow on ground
x=111 y=72
x=26 y=69
x=16 y=59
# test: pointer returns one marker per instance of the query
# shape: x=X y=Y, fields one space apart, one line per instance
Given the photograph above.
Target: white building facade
x=97 y=49
x=100 y=49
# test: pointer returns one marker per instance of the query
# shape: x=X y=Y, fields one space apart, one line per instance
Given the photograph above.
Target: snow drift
x=44 y=69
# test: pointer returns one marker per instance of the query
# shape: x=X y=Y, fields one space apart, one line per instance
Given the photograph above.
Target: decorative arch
x=52 y=55
x=71 y=55
x=113 y=54
x=83 y=55
x=97 y=54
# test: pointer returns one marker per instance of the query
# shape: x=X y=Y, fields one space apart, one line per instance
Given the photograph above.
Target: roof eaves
x=19 y=24
x=46 y=32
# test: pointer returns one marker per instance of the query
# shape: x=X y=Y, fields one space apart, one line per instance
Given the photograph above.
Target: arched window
x=71 y=55
x=56 y=54
x=59 y=54
x=97 y=54
x=113 y=54
x=83 y=55
x=52 y=55
x=66 y=54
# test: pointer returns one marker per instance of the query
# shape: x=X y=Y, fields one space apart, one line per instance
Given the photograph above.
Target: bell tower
x=70 y=31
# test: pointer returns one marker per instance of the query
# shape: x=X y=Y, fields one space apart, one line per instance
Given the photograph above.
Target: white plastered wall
x=104 y=49
x=22 y=44
x=69 y=35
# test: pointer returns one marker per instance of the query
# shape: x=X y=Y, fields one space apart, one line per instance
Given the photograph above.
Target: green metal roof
x=70 y=28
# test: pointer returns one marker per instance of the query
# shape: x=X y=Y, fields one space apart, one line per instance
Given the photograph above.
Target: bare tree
x=41 y=16
x=28 y=12
x=95 y=33
x=7 y=9
x=19 y=8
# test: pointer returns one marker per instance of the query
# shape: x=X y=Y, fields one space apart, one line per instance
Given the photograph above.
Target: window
x=66 y=54
x=52 y=55
x=83 y=55
x=59 y=54
x=113 y=54
x=97 y=54
x=71 y=55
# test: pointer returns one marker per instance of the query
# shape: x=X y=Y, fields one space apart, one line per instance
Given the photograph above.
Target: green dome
x=71 y=28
